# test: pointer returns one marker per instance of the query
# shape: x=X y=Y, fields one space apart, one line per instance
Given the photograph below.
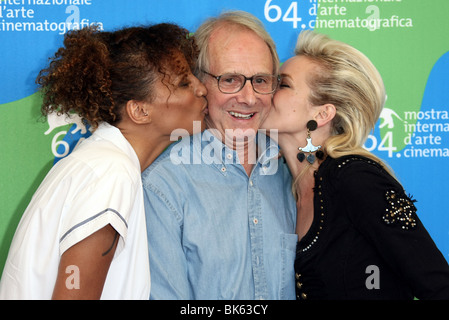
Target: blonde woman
x=359 y=234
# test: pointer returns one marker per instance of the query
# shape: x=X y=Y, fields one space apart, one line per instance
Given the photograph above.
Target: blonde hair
x=347 y=79
x=235 y=20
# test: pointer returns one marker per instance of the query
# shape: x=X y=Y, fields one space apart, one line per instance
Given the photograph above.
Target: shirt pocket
x=288 y=254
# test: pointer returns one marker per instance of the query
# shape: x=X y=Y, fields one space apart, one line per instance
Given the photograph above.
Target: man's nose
x=247 y=95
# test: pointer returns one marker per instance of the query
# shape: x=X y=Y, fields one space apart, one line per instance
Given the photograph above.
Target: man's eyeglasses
x=234 y=82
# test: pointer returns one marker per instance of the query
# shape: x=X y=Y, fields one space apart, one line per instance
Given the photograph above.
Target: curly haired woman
x=83 y=235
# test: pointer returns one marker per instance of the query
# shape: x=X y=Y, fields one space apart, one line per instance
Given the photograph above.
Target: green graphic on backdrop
x=25 y=160
x=398 y=36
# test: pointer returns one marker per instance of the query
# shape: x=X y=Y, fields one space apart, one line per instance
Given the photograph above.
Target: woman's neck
x=147 y=144
x=304 y=182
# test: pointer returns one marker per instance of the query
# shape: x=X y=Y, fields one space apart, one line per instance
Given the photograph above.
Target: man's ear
x=325 y=114
x=139 y=112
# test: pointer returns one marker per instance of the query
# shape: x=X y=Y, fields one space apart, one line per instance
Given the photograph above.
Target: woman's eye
x=184 y=84
x=284 y=85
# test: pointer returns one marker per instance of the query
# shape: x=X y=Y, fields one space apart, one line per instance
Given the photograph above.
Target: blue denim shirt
x=214 y=232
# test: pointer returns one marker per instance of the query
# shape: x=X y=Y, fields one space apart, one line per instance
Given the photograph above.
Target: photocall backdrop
x=408 y=41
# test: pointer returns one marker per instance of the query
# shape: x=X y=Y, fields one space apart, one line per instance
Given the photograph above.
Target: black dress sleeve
x=378 y=207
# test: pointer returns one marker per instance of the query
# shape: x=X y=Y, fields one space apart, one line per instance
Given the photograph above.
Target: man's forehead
x=242 y=49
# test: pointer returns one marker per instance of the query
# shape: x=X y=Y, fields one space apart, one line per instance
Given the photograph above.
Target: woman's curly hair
x=96 y=73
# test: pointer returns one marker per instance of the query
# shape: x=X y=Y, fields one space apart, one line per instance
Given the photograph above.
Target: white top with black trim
x=98 y=184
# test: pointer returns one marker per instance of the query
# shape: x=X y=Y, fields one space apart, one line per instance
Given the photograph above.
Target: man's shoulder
x=170 y=162
x=162 y=162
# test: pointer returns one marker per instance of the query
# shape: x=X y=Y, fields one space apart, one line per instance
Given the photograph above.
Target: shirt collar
x=114 y=135
x=211 y=145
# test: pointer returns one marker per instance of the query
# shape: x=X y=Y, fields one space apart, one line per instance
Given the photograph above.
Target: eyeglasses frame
x=278 y=78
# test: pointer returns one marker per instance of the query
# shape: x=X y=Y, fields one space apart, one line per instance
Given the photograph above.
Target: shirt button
x=229 y=156
x=223 y=169
x=255 y=221
x=251 y=183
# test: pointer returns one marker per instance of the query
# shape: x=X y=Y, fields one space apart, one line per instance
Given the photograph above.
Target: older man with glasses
x=221 y=222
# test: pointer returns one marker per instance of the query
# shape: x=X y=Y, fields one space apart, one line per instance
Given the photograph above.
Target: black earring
x=310 y=148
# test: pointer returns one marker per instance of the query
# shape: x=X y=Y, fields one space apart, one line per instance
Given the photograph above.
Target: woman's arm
x=84 y=266
x=379 y=208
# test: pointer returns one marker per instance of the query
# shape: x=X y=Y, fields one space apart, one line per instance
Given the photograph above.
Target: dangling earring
x=311 y=126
